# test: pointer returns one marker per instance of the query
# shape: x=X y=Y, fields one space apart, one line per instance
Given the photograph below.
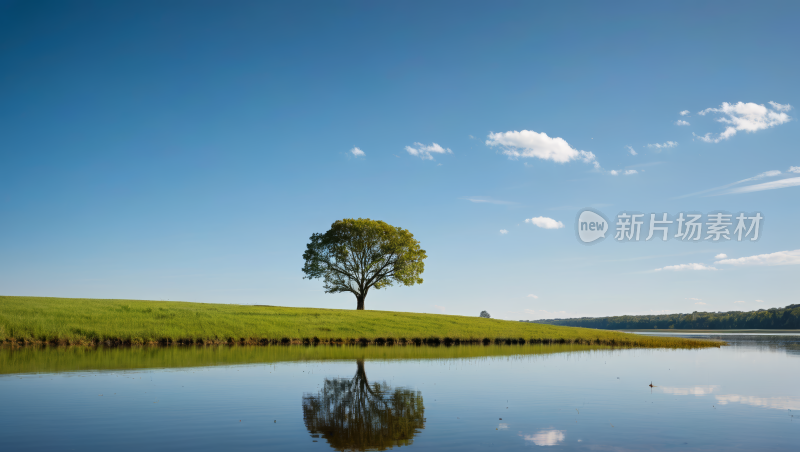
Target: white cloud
x=614 y=172
x=425 y=152
x=503 y=231
x=545 y=223
x=625 y=172
x=699 y=302
x=783 y=183
x=486 y=200
x=771 y=173
x=682 y=267
x=721 y=256
x=681 y=122
x=546 y=437
x=440 y=308
x=532 y=296
x=694 y=299
x=779 y=258
x=630 y=171
x=357 y=152
x=794 y=169
x=779 y=107
x=763 y=175
x=659 y=146
x=630 y=149
x=740 y=301
x=746 y=117
x=759 y=301
x=527 y=143
x=502 y=426
x=684 y=113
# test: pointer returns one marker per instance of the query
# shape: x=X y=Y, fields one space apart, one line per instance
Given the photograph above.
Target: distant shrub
x=485 y=315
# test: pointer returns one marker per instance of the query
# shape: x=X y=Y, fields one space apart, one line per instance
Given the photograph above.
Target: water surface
x=740 y=397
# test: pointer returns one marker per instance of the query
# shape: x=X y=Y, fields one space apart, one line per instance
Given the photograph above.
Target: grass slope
x=91 y=321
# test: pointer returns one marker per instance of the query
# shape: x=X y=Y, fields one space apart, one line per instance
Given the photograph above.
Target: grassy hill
x=32 y=320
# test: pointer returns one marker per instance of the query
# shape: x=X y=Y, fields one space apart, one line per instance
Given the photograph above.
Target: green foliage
x=775 y=318
x=357 y=255
x=75 y=321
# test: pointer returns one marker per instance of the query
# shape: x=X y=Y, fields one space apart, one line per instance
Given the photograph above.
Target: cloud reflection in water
x=549 y=437
x=777 y=403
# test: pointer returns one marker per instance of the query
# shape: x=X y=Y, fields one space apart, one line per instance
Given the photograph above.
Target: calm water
x=741 y=397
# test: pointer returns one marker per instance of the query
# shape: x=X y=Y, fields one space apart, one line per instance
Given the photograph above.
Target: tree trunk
x=360 y=306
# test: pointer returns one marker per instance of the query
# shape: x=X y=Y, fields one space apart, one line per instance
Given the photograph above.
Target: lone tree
x=357 y=255
x=485 y=315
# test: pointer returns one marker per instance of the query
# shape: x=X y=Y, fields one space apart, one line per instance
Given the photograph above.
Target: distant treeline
x=775 y=318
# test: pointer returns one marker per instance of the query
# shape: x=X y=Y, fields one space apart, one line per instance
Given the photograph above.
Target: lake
x=512 y=397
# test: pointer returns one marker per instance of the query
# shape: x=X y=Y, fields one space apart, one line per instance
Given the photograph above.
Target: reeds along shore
x=91 y=322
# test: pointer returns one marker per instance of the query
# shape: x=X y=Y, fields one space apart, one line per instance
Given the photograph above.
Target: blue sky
x=187 y=151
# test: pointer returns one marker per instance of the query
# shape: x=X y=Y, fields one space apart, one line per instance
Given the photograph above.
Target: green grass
x=32 y=320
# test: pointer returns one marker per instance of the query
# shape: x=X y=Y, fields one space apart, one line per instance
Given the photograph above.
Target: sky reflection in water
x=741 y=397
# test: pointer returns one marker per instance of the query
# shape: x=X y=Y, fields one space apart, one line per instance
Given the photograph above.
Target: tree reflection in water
x=351 y=414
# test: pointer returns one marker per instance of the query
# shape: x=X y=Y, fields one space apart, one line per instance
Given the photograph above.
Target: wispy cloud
x=545 y=222
x=783 y=183
x=625 y=172
x=681 y=122
x=527 y=143
x=533 y=296
x=486 y=200
x=721 y=189
x=425 y=152
x=661 y=146
x=503 y=232
x=759 y=301
x=779 y=258
x=721 y=256
x=682 y=267
x=357 y=152
x=631 y=150
x=684 y=113
x=439 y=308
x=695 y=299
x=700 y=302
x=794 y=169
x=739 y=301
x=746 y=117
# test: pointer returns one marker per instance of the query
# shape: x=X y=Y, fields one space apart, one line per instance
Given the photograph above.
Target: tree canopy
x=357 y=255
